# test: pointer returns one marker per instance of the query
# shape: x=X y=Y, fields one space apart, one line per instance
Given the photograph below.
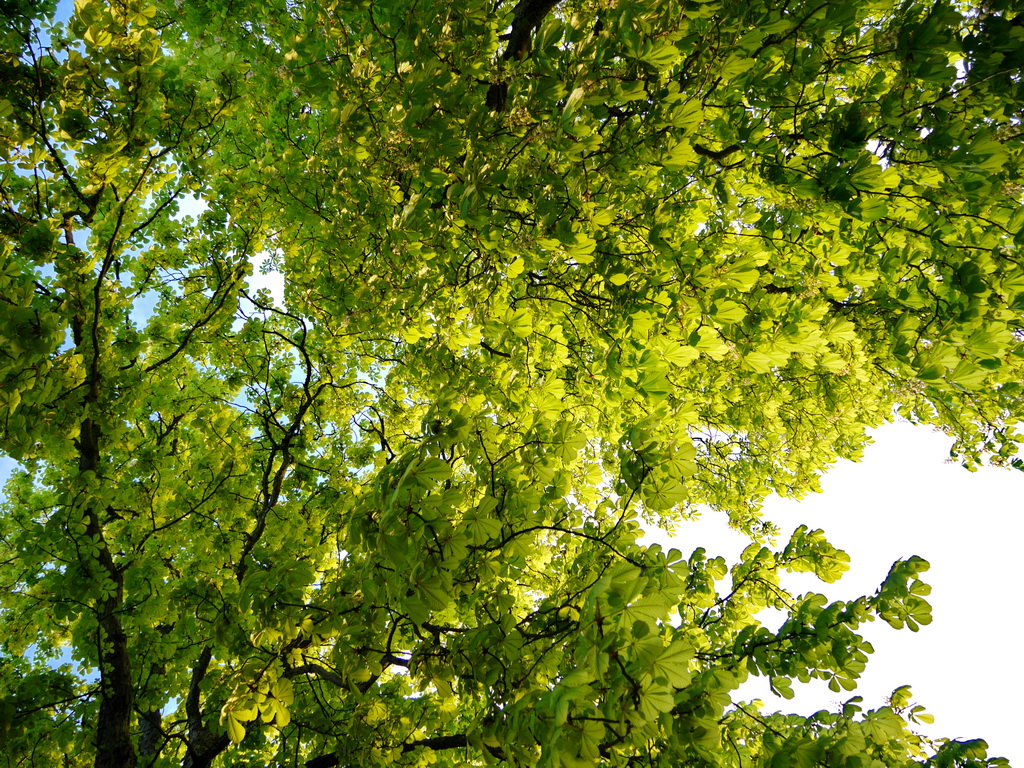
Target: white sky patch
x=906 y=499
x=265 y=275
x=875 y=147
x=190 y=206
x=961 y=71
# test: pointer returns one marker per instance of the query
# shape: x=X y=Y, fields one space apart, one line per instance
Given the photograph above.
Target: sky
x=904 y=499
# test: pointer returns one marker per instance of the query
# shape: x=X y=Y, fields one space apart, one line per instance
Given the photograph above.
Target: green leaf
x=432 y=471
x=573 y=101
x=968 y=375
x=655 y=699
x=674 y=664
x=728 y=312
x=650 y=608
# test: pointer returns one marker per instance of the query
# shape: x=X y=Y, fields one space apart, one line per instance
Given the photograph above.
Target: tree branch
x=437 y=743
x=203 y=746
x=315 y=669
x=526 y=17
x=494 y=351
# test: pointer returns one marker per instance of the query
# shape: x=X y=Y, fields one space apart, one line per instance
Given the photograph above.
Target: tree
x=550 y=270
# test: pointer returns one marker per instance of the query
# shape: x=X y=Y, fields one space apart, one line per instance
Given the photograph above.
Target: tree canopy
x=551 y=271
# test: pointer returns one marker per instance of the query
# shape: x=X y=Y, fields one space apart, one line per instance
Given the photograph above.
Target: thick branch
x=494 y=351
x=114 y=748
x=203 y=746
x=318 y=671
x=526 y=17
x=717 y=155
x=192 y=704
x=151 y=736
x=437 y=743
